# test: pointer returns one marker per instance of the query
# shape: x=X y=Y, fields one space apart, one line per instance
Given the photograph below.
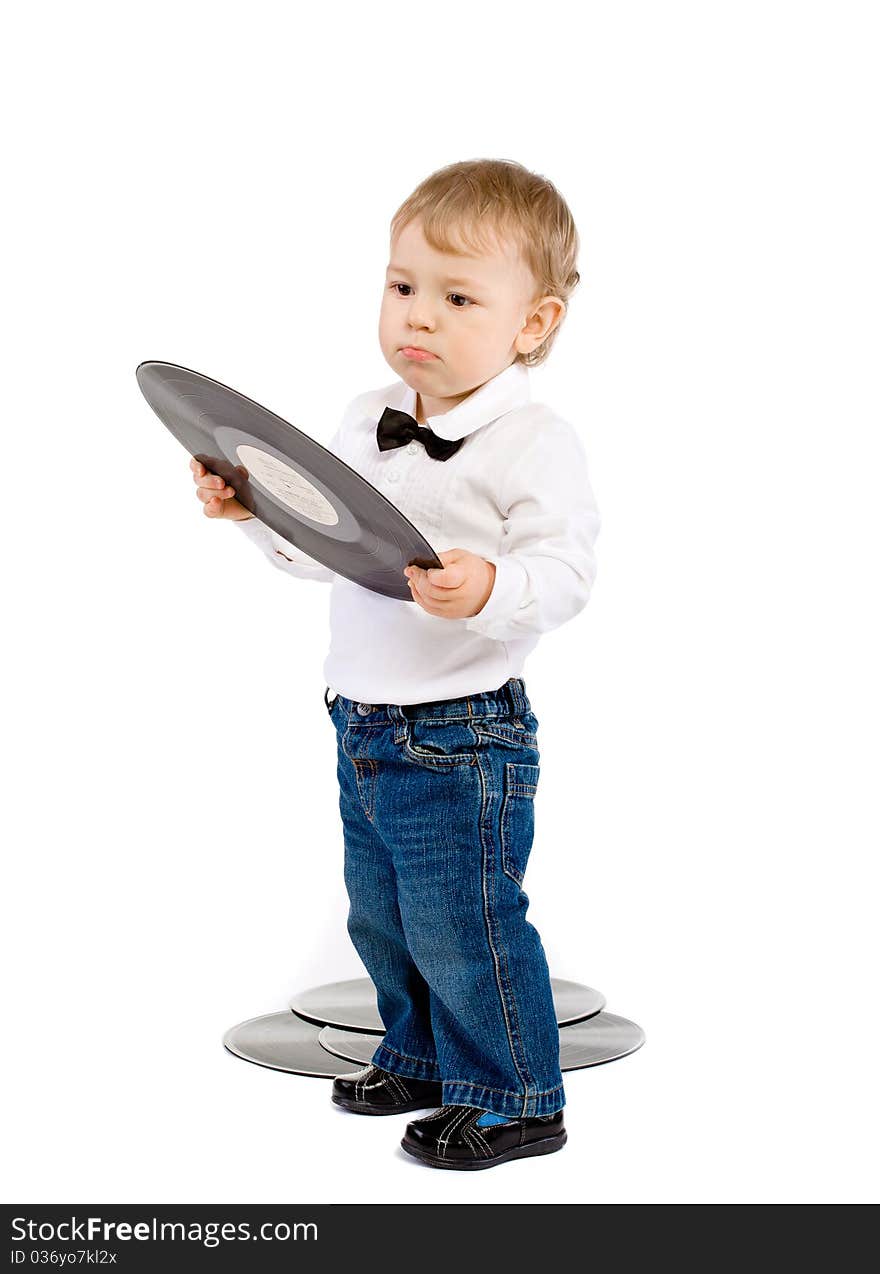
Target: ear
x=544 y=315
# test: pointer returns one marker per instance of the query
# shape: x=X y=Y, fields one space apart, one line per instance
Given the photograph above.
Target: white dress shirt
x=516 y=493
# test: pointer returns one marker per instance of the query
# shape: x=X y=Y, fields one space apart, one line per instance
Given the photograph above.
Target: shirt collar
x=509 y=389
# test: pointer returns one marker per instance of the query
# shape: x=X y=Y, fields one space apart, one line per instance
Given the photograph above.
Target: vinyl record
x=351 y=1005
x=293 y=484
x=603 y=1038
x=284 y=1042
x=598 y=1039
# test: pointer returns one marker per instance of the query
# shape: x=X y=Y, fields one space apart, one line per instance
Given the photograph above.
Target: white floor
x=156 y=1110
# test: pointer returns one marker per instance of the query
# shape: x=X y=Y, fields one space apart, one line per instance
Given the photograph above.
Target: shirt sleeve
x=280 y=552
x=545 y=566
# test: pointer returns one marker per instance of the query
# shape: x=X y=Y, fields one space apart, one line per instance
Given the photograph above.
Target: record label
x=287 y=485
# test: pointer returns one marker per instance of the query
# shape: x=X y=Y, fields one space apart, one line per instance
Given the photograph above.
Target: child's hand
x=219 y=499
x=459 y=591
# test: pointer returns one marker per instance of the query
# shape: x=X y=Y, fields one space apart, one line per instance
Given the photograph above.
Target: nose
x=419 y=315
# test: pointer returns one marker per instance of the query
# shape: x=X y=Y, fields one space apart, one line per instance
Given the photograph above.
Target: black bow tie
x=397 y=427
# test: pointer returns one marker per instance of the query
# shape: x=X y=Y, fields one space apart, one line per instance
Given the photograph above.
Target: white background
x=211 y=184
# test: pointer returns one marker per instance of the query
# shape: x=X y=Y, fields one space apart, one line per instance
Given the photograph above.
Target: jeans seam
x=423 y=1061
x=503 y=1102
x=512 y=787
x=511 y=1031
x=359 y=765
x=503 y=1092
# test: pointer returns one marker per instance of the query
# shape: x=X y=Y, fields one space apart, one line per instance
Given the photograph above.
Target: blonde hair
x=464 y=204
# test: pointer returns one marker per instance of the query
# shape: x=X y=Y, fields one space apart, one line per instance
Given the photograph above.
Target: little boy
x=437 y=752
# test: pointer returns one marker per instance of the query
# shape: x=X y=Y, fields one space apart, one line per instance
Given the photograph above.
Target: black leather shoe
x=450 y=1138
x=372 y=1091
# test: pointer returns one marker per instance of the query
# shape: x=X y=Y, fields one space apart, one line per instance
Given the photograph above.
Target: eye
x=453 y=296
x=395 y=286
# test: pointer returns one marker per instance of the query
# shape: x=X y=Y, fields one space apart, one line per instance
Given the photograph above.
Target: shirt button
x=365 y=709
x=412 y=448
x=392 y=477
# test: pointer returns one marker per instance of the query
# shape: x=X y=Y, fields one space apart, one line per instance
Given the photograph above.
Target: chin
x=414 y=372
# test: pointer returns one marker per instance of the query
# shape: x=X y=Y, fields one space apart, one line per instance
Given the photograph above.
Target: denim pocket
x=518 y=817
x=438 y=744
x=519 y=732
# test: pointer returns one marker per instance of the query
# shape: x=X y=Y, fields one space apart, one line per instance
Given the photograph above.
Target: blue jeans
x=437 y=805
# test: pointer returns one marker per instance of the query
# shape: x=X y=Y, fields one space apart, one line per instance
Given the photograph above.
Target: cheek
x=477 y=340
x=385 y=323
x=465 y=330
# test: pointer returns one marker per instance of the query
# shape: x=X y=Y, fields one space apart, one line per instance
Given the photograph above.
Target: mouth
x=417 y=354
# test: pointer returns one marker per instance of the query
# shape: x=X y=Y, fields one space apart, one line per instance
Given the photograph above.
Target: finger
x=416 y=593
x=220 y=507
x=418 y=599
x=443 y=577
x=197 y=467
x=206 y=494
x=428 y=588
x=427 y=603
x=439 y=596
x=212 y=482
x=449 y=577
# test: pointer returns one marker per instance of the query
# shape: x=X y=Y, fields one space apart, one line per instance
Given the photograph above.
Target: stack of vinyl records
x=328 y=1028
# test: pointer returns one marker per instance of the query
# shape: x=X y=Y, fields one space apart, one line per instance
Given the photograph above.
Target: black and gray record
x=353 y=1046
x=284 y=1042
x=352 y=1005
x=602 y=1038
x=574 y=1001
x=286 y=479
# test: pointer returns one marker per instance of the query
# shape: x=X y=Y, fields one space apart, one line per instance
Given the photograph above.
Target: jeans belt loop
x=516 y=692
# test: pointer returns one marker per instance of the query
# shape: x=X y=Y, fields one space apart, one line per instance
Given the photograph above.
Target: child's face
x=473 y=313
